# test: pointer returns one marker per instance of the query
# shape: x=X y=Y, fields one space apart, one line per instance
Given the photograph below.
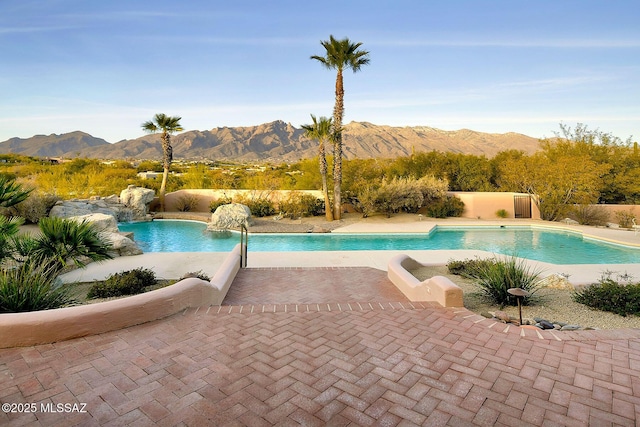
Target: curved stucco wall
x=47 y=326
x=437 y=289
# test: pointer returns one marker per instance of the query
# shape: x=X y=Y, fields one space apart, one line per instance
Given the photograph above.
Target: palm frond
x=11 y=193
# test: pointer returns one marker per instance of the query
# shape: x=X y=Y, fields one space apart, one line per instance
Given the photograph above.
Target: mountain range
x=275 y=141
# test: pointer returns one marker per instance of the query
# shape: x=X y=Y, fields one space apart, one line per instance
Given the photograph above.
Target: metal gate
x=522 y=206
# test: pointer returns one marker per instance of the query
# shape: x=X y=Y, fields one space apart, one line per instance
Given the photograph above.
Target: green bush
x=259 y=206
x=469 y=267
x=187 y=203
x=215 y=204
x=589 y=214
x=497 y=277
x=610 y=295
x=34 y=208
x=399 y=194
x=199 y=274
x=300 y=204
x=445 y=207
x=126 y=283
x=625 y=218
x=502 y=213
x=30 y=288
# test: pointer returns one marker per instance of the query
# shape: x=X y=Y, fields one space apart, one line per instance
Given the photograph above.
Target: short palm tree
x=321 y=131
x=63 y=241
x=11 y=193
x=340 y=54
x=167 y=125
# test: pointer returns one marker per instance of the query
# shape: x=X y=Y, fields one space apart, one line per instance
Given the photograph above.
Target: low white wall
x=48 y=326
x=437 y=289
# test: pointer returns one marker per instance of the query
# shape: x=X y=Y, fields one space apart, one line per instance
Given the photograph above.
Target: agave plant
x=497 y=277
x=30 y=287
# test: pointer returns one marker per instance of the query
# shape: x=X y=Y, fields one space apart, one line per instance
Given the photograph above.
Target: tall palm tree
x=168 y=125
x=321 y=131
x=340 y=54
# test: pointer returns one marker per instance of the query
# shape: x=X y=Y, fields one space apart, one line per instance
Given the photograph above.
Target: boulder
x=121 y=245
x=72 y=208
x=556 y=281
x=233 y=215
x=102 y=222
x=106 y=205
x=137 y=199
x=501 y=315
x=319 y=229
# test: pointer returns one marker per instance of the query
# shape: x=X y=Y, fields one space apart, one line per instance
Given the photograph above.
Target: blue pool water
x=555 y=247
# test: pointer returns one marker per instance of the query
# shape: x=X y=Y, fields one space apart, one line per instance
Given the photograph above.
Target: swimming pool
x=556 y=247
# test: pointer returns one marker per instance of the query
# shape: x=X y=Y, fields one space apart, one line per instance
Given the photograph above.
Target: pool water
x=556 y=247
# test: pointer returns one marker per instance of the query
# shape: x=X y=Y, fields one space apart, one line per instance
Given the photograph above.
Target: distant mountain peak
x=273 y=141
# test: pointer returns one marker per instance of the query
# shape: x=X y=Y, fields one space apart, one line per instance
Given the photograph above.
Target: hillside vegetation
x=578 y=167
x=275 y=142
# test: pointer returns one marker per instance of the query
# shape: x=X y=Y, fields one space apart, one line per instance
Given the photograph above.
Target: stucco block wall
x=484 y=205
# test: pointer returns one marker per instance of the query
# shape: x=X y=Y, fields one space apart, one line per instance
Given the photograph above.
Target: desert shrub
x=30 y=287
x=35 y=207
x=187 y=203
x=259 y=205
x=393 y=196
x=432 y=188
x=199 y=274
x=301 y=204
x=365 y=200
x=468 y=267
x=610 y=295
x=625 y=218
x=502 y=213
x=589 y=214
x=125 y=283
x=497 y=277
x=215 y=204
x=447 y=206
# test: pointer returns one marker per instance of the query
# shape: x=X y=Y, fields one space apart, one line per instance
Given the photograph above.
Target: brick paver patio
x=321 y=347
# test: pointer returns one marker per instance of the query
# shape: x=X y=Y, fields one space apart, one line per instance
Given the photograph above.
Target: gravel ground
x=555 y=305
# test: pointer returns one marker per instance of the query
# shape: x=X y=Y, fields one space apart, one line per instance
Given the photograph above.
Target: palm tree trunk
x=325 y=190
x=167 y=152
x=338 y=111
x=163 y=187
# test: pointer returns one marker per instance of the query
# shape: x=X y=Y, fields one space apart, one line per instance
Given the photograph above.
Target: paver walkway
x=283 y=353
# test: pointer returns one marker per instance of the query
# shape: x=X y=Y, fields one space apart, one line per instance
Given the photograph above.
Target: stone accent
x=122 y=245
x=233 y=215
x=137 y=199
x=104 y=213
x=102 y=222
x=108 y=205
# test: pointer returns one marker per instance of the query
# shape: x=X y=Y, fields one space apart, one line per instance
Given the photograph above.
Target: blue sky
x=104 y=67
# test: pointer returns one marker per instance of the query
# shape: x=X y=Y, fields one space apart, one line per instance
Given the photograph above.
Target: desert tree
x=321 y=131
x=340 y=55
x=167 y=125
